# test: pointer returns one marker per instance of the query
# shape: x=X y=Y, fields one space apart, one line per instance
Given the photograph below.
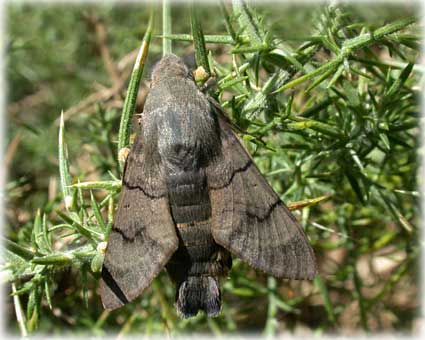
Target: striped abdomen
x=199 y=261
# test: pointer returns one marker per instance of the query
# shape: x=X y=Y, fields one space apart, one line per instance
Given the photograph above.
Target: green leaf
x=33 y=309
x=97 y=213
x=233 y=82
x=91 y=235
x=96 y=263
x=65 y=176
x=47 y=293
x=326 y=129
x=201 y=54
x=40 y=237
x=399 y=82
x=227 y=22
x=18 y=249
x=320 y=79
x=396 y=212
x=332 y=65
x=54 y=259
x=288 y=57
x=248 y=22
x=355 y=185
x=133 y=89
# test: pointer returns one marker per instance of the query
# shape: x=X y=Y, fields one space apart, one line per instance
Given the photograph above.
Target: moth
x=192 y=197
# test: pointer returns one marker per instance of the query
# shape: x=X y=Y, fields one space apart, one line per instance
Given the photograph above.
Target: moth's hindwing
x=143 y=237
x=250 y=220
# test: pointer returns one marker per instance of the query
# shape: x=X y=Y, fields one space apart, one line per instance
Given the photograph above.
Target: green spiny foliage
x=331 y=114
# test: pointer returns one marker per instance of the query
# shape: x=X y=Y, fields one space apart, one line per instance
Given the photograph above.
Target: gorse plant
x=331 y=118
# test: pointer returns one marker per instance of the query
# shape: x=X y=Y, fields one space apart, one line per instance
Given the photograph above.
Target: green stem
x=271 y=323
x=211 y=39
x=20 y=315
x=349 y=47
x=166 y=28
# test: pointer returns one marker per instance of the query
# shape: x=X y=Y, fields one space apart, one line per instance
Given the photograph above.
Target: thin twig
x=29 y=101
x=100 y=96
x=11 y=149
x=102 y=44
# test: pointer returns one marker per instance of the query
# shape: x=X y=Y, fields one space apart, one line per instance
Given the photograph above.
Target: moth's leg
x=209 y=84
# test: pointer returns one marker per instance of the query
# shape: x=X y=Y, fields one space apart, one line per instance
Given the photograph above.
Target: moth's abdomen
x=198 y=262
x=198 y=254
x=196 y=267
x=188 y=196
x=191 y=211
x=199 y=293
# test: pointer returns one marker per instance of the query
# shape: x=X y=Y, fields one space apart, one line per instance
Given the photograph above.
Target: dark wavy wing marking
x=142 y=170
x=142 y=239
x=250 y=220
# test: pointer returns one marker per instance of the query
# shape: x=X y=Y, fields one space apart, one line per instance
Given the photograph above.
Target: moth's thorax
x=170 y=66
x=178 y=122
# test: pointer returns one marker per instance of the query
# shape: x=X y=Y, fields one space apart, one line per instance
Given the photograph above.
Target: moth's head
x=170 y=66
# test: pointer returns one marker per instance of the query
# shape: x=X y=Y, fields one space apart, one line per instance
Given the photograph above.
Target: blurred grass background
x=349 y=132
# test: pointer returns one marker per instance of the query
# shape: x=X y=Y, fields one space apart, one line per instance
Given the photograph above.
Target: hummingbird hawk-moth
x=191 y=198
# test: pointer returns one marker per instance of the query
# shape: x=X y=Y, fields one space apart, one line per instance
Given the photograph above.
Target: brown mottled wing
x=250 y=220
x=143 y=237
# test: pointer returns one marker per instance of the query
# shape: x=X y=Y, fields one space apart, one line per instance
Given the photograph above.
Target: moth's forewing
x=143 y=237
x=250 y=220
